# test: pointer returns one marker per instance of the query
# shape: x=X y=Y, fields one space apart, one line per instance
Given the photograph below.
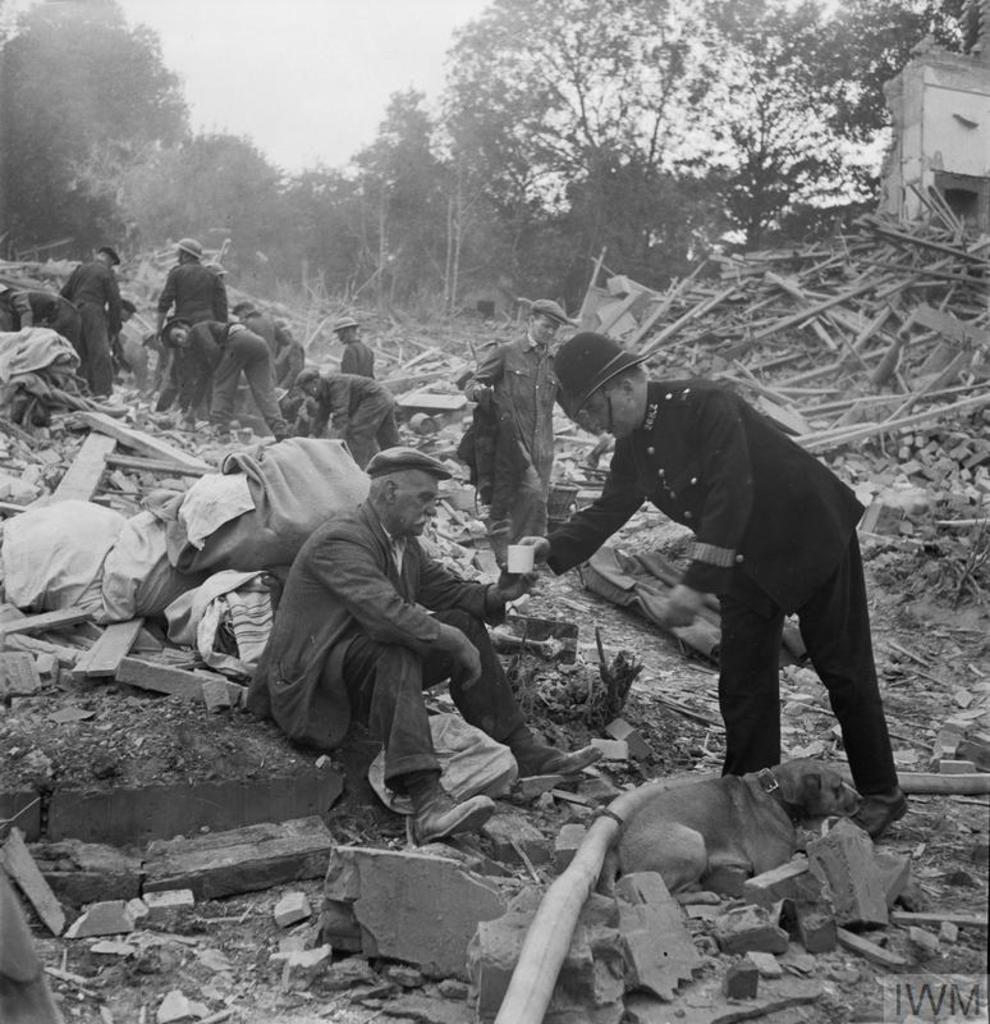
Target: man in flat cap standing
x=92 y=288
x=776 y=535
x=515 y=387
x=368 y=620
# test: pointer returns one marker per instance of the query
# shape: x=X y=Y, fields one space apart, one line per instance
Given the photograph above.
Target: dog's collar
x=771 y=787
x=766 y=779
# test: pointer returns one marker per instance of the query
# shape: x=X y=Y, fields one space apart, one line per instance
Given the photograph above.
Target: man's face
x=348 y=335
x=611 y=409
x=410 y=504
x=542 y=329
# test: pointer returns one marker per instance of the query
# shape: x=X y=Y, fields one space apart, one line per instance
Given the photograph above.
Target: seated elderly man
x=368 y=620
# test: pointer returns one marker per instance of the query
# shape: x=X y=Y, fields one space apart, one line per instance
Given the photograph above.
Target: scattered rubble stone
x=292 y=908
x=749 y=928
x=741 y=980
x=112 y=917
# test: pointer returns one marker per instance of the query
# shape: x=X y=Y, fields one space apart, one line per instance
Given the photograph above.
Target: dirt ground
x=934 y=662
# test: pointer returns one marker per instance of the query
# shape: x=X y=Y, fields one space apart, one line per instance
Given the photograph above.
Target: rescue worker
x=209 y=359
x=359 y=410
x=20 y=308
x=357 y=358
x=92 y=288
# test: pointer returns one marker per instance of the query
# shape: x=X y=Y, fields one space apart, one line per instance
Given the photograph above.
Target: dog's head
x=812 y=790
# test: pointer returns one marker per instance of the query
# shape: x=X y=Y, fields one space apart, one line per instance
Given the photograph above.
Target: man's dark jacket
x=197 y=293
x=763 y=509
x=344 y=583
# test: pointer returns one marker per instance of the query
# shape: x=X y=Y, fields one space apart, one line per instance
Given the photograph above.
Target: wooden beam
x=105 y=656
x=141 y=442
x=16 y=860
x=907 y=918
x=82 y=478
x=45 y=621
x=178 y=682
x=153 y=465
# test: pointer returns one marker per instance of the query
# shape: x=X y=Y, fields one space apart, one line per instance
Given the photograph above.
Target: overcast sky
x=307 y=80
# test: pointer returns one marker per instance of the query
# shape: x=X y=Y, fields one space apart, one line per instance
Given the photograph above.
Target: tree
x=214 y=187
x=565 y=110
x=403 y=209
x=81 y=95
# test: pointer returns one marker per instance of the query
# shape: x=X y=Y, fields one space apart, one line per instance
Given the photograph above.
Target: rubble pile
x=181 y=857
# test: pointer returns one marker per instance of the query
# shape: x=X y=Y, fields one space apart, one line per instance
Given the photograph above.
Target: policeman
x=775 y=535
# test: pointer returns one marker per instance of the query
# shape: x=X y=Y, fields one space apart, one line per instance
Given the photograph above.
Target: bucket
x=561 y=502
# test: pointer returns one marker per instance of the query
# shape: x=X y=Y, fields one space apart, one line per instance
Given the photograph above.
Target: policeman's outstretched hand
x=683 y=606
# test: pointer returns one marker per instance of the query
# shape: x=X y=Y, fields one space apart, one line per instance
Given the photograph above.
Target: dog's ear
x=811 y=788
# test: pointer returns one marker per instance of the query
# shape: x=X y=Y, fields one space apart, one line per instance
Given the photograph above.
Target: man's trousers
x=385 y=683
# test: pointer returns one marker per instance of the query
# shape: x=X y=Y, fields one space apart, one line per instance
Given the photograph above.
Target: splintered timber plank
x=16 y=860
x=141 y=442
x=82 y=478
x=105 y=656
x=179 y=682
x=46 y=620
x=161 y=679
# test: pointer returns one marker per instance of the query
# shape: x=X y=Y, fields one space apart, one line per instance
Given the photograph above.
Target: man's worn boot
x=437 y=816
x=535 y=757
x=879 y=811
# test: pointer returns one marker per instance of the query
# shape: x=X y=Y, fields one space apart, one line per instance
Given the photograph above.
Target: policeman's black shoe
x=879 y=811
x=438 y=816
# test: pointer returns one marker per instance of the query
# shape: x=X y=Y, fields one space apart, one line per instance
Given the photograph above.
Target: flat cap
x=549 y=308
x=305 y=375
x=244 y=309
x=343 y=322
x=396 y=460
x=191 y=246
x=111 y=254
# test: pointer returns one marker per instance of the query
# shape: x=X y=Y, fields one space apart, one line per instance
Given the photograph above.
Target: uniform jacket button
x=651 y=450
x=694 y=480
x=687 y=515
x=739 y=558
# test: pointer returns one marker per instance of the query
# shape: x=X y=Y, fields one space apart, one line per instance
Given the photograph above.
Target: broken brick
x=292 y=908
x=843 y=860
x=749 y=928
x=566 y=845
x=638 y=748
x=777 y=884
x=741 y=981
x=109 y=918
x=510 y=833
x=766 y=963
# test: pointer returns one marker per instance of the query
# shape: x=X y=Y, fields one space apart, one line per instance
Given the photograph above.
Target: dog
x=717 y=832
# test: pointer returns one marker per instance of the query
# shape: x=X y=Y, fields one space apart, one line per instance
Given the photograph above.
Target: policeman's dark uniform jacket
x=775 y=535
x=212 y=363
x=92 y=288
x=354 y=636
